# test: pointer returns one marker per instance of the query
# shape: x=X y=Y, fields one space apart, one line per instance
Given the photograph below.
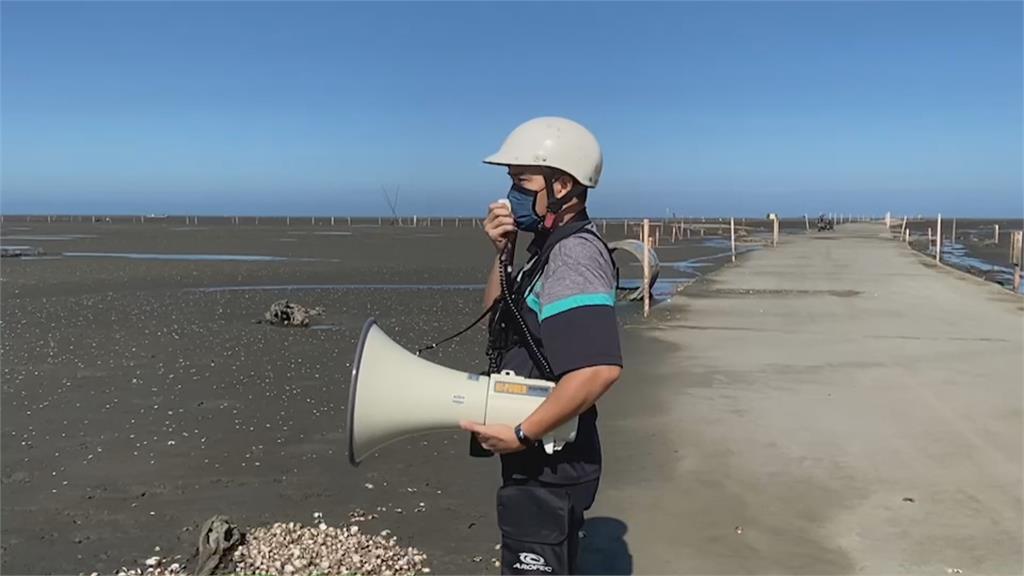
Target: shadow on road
x=604 y=550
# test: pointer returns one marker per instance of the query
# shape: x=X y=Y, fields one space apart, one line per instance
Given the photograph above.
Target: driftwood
x=217 y=540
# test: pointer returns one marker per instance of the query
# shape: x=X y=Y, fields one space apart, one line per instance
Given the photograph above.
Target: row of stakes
x=935 y=241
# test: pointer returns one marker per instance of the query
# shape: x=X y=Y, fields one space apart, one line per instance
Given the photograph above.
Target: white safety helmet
x=556 y=143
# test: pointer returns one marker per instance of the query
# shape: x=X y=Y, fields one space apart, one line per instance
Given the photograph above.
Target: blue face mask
x=522 y=208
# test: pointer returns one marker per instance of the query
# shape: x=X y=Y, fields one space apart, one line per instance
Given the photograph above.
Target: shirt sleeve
x=576 y=306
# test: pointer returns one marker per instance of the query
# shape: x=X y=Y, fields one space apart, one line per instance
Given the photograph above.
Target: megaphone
x=395 y=394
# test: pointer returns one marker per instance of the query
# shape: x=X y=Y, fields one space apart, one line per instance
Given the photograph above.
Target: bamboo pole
x=349 y=220
x=938 y=239
x=904 y=227
x=625 y=227
x=807 y=223
x=930 y=236
x=332 y=220
x=996 y=235
x=732 y=235
x=657 y=236
x=604 y=226
x=673 y=234
x=287 y=220
x=952 y=236
x=647 y=266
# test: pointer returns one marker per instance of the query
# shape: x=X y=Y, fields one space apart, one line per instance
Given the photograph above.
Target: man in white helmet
x=555 y=320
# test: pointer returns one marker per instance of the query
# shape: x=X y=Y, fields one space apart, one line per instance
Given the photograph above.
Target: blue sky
x=726 y=108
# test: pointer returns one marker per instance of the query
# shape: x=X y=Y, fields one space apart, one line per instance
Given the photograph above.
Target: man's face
x=530 y=178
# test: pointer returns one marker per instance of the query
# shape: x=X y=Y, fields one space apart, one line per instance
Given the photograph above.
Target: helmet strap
x=556 y=204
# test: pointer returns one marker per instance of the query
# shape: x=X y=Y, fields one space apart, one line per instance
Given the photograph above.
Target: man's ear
x=563 y=184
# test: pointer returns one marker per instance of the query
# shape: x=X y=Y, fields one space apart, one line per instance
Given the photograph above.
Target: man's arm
x=576 y=392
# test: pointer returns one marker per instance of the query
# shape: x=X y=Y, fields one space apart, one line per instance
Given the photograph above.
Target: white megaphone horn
x=395 y=394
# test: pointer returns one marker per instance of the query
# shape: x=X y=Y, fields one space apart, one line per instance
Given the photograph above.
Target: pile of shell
x=291 y=548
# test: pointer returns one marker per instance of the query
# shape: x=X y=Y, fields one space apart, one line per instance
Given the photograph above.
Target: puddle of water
x=692 y=263
x=663 y=289
x=200 y=257
x=341 y=287
x=333 y=233
x=958 y=256
x=48 y=237
x=20 y=251
x=305 y=233
x=197 y=257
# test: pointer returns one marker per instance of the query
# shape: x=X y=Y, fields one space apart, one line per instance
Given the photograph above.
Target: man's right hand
x=499 y=225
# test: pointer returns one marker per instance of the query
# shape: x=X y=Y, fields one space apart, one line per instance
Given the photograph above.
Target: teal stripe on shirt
x=576 y=301
x=534 y=303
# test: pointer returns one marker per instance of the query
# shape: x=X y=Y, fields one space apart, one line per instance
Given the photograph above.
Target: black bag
x=539 y=530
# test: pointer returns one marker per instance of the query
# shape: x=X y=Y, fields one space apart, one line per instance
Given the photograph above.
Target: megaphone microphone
x=395 y=394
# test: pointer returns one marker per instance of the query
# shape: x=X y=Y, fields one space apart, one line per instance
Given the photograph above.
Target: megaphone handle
x=476 y=450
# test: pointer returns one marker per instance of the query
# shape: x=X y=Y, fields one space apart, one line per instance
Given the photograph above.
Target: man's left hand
x=498 y=438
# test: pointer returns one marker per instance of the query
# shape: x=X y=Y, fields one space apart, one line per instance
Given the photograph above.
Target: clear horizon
x=702 y=109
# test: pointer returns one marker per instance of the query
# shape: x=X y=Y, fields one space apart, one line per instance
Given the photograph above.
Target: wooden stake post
x=732 y=235
x=1018 y=262
x=938 y=239
x=647 y=267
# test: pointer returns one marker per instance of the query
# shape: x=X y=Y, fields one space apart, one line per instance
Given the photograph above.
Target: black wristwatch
x=522 y=437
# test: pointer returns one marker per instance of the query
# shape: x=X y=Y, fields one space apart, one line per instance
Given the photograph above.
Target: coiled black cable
x=504 y=280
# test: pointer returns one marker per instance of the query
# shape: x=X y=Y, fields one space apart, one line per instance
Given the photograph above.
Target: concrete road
x=838 y=404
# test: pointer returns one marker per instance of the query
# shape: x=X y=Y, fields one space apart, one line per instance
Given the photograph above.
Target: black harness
x=507 y=329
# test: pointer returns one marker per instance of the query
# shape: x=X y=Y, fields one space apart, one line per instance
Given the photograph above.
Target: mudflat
x=140 y=397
